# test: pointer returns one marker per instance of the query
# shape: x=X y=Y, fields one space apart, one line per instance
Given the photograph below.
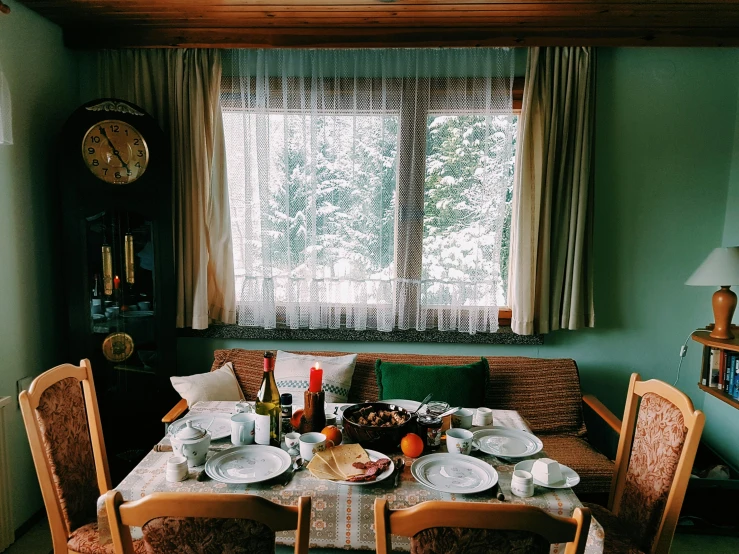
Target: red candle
x=316 y=378
x=116 y=282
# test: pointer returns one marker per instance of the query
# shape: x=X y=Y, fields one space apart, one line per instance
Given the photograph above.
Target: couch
x=546 y=392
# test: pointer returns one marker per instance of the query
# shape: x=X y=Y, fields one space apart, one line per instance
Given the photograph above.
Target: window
x=372 y=201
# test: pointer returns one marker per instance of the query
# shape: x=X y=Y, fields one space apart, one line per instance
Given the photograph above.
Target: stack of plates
x=247 y=464
x=454 y=473
x=507 y=443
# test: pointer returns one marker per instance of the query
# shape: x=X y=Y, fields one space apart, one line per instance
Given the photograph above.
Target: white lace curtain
x=369 y=189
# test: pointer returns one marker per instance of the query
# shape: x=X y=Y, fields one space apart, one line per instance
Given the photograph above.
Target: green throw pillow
x=460 y=385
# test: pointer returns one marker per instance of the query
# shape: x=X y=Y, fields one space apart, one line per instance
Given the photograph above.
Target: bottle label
x=261 y=429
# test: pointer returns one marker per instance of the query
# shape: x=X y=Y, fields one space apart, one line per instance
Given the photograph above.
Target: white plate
x=571 y=478
x=247 y=464
x=507 y=443
x=373 y=456
x=454 y=473
x=410 y=405
x=219 y=428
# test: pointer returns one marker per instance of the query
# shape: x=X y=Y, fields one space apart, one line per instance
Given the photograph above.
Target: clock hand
x=115 y=150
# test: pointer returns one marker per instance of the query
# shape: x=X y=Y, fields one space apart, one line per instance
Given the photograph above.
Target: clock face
x=115 y=152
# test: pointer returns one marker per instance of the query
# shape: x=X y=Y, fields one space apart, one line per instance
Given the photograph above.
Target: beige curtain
x=551 y=277
x=181 y=89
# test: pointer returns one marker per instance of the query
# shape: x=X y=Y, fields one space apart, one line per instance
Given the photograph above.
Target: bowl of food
x=378 y=425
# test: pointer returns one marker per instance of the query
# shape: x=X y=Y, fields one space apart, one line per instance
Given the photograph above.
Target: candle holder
x=314 y=412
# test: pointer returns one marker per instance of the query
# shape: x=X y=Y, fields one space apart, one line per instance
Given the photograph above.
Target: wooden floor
x=38 y=541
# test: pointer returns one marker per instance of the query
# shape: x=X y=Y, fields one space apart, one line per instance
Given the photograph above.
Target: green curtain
x=551 y=279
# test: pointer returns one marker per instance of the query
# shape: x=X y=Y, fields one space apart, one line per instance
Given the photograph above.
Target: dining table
x=342 y=516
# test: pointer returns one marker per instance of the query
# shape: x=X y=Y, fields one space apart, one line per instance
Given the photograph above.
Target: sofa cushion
x=594 y=469
x=460 y=385
x=292 y=374
x=219 y=384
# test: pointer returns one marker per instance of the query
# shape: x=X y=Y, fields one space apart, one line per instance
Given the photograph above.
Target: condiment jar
x=429 y=428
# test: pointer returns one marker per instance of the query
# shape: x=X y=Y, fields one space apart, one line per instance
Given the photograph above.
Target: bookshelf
x=731 y=345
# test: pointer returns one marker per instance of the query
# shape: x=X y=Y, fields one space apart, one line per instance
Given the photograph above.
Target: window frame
x=410 y=119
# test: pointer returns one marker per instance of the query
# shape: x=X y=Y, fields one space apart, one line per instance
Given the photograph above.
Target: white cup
x=462 y=418
x=484 y=417
x=292 y=440
x=176 y=469
x=242 y=429
x=311 y=444
x=459 y=441
x=522 y=483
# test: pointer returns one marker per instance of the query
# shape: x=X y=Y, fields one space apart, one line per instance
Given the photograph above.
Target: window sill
x=503 y=336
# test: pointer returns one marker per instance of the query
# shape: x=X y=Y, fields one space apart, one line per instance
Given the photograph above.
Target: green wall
x=665 y=131
x=722 y=429
x=43 y=81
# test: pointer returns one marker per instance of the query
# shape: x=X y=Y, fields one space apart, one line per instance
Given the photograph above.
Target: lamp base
x=724 y=304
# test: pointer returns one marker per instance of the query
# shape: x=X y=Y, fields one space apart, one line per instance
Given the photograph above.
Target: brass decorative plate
x=118 y=347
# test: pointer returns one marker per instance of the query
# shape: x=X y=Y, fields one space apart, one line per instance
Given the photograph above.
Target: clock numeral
x=117 y=174
x=140 y=153
x=125 y=131
x=105 y=171
x=137 y=164
x=95 y=139
x=90 y=150
x=95 y=163
x=128 y=172
x=115 y=128
x=136 y=142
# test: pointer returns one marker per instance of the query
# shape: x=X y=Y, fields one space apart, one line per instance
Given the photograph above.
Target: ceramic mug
x=311 y=444
x=484 y=417
x=462 y=418
x=459 y=441
x=292 y=440
x=242 y=429
x=522 y=483
x=176 y=469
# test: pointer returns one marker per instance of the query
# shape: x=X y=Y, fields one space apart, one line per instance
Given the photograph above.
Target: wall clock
x=115 y=152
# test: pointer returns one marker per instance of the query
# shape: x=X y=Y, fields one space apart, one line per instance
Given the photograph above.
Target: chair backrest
x=516 y=383
x=660 y=434
x=442 y=527
x=206 y=522
x=61 y=416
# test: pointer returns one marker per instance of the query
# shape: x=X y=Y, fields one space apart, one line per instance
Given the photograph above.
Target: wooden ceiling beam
x=163 y=37
x=377 y=23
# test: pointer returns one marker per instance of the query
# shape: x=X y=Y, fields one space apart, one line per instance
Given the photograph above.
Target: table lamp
x=720 y=269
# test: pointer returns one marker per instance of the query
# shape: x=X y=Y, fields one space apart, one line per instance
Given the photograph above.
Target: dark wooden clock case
x=131 y=402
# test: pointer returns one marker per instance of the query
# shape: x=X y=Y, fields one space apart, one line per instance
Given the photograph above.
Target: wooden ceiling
x=371 y=23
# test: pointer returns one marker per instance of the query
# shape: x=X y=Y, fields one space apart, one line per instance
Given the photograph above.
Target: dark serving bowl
x=384 y=439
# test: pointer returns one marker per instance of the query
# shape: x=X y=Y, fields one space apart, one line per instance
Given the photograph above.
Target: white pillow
x=292 y=372
x=220 y=384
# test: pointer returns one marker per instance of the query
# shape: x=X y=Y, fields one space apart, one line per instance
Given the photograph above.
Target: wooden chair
x=660 y=433
x=452 y=527
x=208 y=523
x=61 y=416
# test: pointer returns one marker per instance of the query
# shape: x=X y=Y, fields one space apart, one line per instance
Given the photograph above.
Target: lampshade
x=720 y=268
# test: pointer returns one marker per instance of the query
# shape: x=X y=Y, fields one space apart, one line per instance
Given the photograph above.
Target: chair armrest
x=604 y=413
x=175 y=413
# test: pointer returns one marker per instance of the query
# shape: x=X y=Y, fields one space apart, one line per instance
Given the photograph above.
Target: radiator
x=7 y=535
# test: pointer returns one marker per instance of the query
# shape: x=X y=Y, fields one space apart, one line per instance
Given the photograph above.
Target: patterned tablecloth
x=342 y=516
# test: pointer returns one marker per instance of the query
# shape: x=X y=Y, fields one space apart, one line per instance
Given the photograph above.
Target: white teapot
x=191 y=442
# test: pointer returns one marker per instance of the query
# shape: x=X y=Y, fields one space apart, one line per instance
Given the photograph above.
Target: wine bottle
x=268 y=408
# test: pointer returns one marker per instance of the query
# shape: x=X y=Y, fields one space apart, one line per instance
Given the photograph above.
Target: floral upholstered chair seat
x=453 y=540
x=658 y=442
x=165 y=535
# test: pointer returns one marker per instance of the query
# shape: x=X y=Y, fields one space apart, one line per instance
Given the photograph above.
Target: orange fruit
x=412 y=445
x=333 y=434
x=295 y=419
